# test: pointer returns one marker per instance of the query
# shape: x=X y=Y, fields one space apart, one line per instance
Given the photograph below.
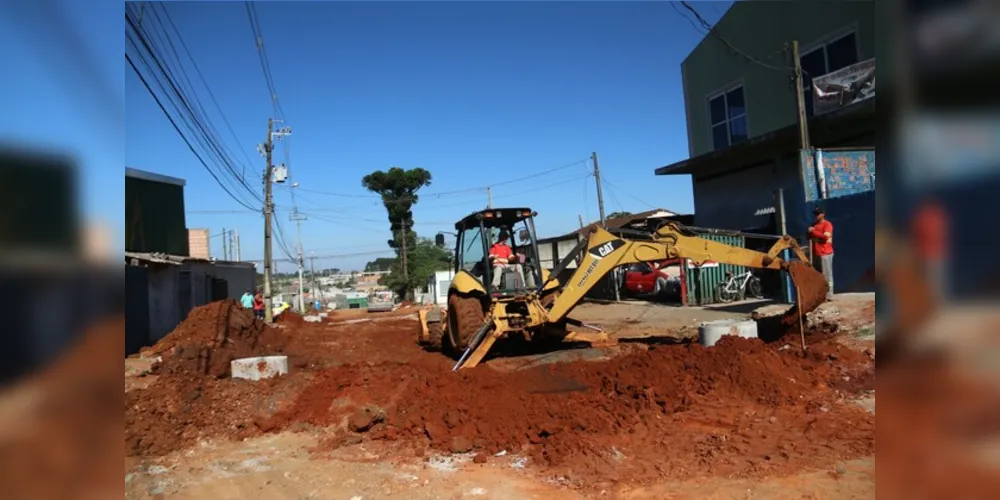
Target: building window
x=827 y=58
x=728 y=113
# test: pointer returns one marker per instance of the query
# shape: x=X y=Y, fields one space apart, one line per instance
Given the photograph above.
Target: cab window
x=472 y=252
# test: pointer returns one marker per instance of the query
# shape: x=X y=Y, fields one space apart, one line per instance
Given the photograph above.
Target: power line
x=539 y=174
x=614 y=198
x=626 y=193
x=185 y=139
x=199 y=127
x=262 y=56
x=715 y=33
x=455 y=191
x=333 y=256
x=205 y=84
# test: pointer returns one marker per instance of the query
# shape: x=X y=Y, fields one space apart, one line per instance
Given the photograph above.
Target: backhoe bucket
x=810 y=285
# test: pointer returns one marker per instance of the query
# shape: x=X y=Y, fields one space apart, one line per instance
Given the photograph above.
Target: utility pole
x=489 y=194
x=266 y=149
x=800 y=99
x=600 y=206
x=600 y=193
x=236 y=237
x=225 y=250
x=298 y=218
x=406 y=271
x=312 y=275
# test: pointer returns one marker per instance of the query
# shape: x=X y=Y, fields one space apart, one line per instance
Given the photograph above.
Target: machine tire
x=465 y=317
x=435 y=334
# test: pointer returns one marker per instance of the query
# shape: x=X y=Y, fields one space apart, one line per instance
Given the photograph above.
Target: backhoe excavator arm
x=605 y=251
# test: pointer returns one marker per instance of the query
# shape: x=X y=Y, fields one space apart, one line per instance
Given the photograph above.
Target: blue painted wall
x=849 y=178
x=853 y=219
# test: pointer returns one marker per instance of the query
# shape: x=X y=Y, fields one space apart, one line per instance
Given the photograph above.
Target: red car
x=654 y=278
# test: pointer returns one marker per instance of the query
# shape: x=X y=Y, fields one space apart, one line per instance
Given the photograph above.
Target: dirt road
x=365 y=411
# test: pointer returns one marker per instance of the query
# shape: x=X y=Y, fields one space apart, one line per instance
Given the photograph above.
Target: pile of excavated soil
x=213 y=335
x=741 y=407
x=177 y=411
x=60 y=427
x=192 y=397
x=290 y=319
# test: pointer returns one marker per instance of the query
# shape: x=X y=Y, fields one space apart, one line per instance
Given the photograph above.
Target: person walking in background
x=821 y=234
x=258 y=305
x=247 y=300
x=929 y=233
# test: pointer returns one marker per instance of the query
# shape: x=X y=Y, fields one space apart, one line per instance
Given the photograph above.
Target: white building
x=437 y=287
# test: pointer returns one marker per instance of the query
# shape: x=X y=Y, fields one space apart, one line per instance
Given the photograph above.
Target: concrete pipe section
x=711 y=331
x=259 y=368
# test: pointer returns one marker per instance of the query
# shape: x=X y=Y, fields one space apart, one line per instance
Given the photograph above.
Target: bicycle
x=739 y=287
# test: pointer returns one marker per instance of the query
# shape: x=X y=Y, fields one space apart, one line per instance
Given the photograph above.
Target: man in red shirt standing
x=258 y=305
x=503 y=258
x=929 y=231
x=821 y=234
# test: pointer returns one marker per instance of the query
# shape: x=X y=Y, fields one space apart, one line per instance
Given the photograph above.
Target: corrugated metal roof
x=616 y=223
x=162 y=258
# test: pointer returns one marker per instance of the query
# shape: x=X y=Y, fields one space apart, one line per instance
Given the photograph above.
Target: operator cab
x=480 y=251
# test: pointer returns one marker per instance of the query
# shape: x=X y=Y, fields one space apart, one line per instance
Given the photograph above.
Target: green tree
x=398 y=188
x=422 y=260
x=615 y=215
x=380 y=264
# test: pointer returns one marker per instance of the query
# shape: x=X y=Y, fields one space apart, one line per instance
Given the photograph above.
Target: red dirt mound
x=188 y=400
x=290 y=319
x=60 y=441
x=213 y=335
x=577 y=417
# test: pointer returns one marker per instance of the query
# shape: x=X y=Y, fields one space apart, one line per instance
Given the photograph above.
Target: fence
x=700 y=282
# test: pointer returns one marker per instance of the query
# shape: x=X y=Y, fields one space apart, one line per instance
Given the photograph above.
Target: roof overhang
x=829 y=128
x=176 y=260
x=153 y=177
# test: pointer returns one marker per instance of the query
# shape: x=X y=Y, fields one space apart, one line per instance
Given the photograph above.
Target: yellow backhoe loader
x=490 y=298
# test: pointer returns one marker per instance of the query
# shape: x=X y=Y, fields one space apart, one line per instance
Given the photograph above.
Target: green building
x=742 y=120
x=154 y=214
x=730 y=99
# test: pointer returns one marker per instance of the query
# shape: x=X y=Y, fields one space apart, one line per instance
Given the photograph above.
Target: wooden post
x=798 y=308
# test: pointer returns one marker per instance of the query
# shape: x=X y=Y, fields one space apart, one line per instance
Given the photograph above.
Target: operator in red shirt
x=503 y=258
x=821 y=234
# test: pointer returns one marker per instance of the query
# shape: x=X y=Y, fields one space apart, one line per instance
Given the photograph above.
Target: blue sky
x=477 y=93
